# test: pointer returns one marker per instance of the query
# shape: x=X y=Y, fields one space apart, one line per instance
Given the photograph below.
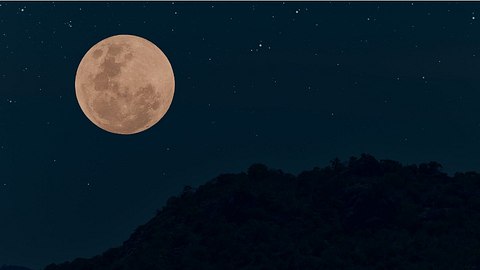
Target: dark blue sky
x=291 y=85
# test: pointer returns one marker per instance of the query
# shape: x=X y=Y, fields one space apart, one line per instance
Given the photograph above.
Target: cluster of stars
x=69 y=24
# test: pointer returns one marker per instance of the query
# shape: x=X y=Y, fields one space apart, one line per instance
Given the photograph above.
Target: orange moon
x=124 y=84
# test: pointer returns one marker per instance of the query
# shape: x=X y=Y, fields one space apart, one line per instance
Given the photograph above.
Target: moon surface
x=124 y=84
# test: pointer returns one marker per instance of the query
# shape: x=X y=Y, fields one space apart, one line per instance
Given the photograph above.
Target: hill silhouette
x=359 y=214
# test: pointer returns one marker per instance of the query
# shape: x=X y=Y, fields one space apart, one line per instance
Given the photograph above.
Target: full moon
x=124 y=84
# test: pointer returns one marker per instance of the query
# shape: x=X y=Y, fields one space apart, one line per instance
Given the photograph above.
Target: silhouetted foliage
x=361 y=214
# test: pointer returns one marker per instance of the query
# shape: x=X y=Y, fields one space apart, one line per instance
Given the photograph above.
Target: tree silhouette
x=360 y=214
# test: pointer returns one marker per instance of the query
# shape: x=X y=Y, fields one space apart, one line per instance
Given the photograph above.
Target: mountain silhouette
x=12 y=267
x=363 y=213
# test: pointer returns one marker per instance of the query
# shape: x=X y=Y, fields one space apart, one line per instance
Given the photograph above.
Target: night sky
x=291 y=85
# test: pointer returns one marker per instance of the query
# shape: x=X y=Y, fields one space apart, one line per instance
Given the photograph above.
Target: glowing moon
x=124 y=84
